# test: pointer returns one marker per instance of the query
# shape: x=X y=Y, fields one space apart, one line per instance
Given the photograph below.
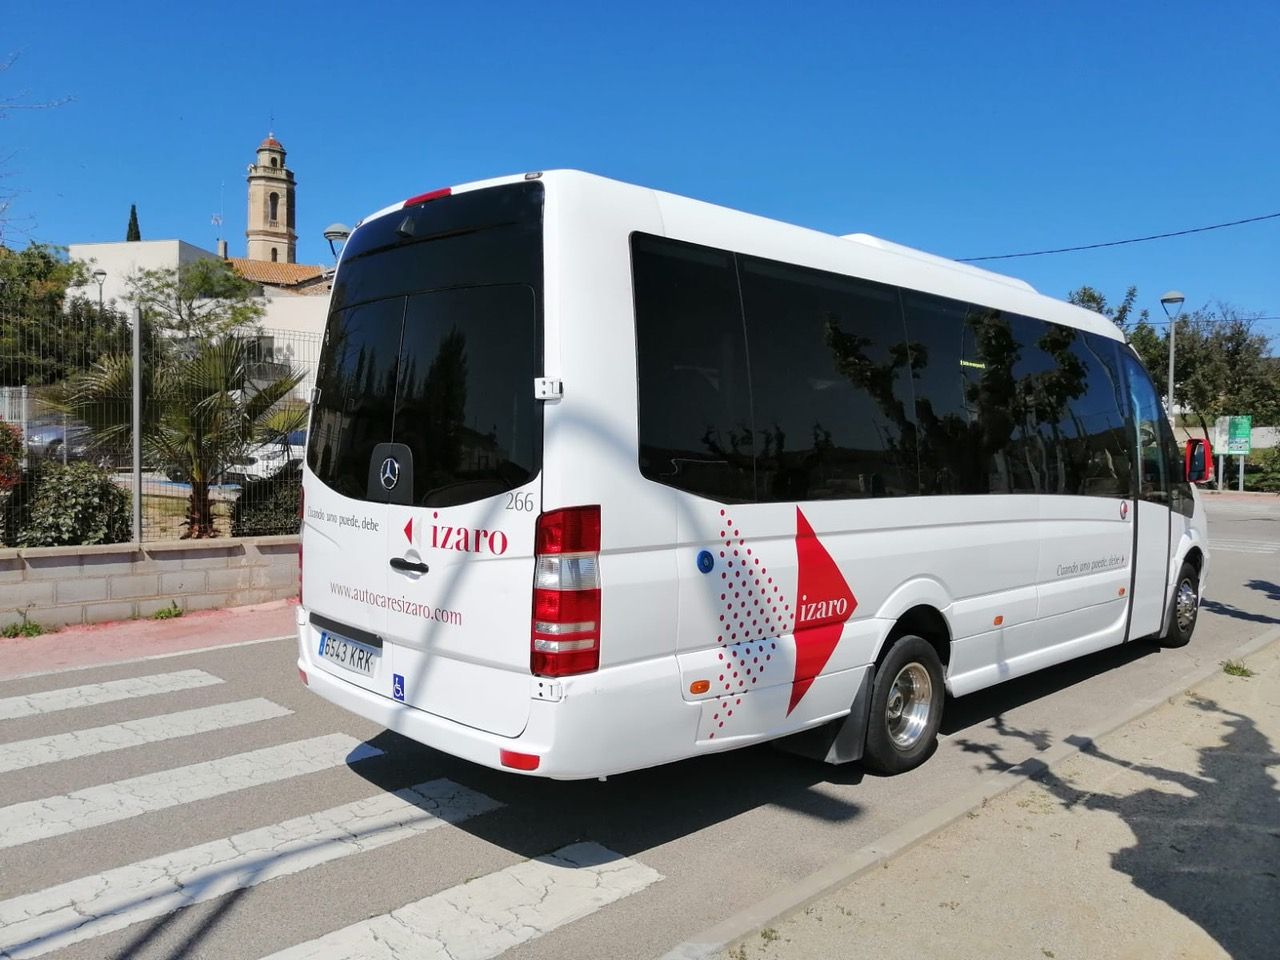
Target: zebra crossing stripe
x=490 y=915
x=40 y=819
x=90 y=694
x=117 y=736
x=36 y=923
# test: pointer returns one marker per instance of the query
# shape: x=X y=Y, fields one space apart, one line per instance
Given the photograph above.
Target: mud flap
x=842 y=740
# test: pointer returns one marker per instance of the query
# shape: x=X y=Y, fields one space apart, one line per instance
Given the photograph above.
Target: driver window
x=1150 y=426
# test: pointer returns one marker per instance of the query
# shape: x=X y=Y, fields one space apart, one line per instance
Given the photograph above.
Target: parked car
x=69 y=440
x=262 y=461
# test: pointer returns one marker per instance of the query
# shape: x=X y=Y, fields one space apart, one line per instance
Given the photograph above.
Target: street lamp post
x=336 y=233
x=100 y=275
x=1172 y=303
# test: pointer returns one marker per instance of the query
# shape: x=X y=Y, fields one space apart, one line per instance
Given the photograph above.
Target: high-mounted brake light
x=424 y=197
x=566 y=593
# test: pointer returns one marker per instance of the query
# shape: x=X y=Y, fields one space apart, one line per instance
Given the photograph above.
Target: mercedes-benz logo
x=389 y=473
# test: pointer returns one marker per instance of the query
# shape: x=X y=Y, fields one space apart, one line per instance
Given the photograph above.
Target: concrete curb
x=840 y=872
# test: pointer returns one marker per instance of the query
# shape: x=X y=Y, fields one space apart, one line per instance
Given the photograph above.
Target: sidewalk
x=104 y=643
x=1160 y=840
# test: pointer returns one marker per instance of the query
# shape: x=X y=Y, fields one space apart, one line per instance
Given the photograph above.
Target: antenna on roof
x=216 y=219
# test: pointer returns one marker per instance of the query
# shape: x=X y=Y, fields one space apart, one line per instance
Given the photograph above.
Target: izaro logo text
x=410 y=608
x=459 y=539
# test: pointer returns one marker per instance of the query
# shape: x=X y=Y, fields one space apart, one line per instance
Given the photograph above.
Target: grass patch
x=768 y=934
x=27 y=628
x=1236 y=668
x=168 y=613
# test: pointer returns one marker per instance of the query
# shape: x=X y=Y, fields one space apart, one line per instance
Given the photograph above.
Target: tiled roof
x=273 y=273
x=271 y=141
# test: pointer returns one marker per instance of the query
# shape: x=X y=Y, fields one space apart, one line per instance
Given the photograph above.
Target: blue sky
x=964 y=129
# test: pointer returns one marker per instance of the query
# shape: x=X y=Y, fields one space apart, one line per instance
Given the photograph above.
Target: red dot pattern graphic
x=756 y=613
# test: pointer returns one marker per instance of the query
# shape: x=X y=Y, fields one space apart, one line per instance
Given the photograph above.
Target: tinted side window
x=1100 y=453
x=971 y=419
x=829 y=384
x=694 y=398
x=357 y=386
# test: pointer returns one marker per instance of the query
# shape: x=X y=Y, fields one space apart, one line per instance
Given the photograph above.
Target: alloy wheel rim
x=1186 y=605
x=908 y=706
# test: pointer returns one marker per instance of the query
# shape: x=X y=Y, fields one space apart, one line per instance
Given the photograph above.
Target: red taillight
x=519 y=761
x=424 y=197
x=566 y=593
x=575 y=530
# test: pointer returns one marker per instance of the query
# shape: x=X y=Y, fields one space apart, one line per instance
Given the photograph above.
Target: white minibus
x=600 y=478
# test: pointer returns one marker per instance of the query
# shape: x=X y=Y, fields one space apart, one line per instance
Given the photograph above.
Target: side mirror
x=1198 y=461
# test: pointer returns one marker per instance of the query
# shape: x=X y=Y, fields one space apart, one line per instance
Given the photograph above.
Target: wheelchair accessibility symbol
x=397 y=687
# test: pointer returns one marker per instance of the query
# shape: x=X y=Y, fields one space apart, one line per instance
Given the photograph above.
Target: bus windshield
x=433 y=341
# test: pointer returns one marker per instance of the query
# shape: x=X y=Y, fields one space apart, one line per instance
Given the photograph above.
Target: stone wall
x=56 y=586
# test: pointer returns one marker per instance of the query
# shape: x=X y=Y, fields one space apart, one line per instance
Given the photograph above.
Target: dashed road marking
x=1245 y=546
x=54 y=918
x=111 y=802
x=488 y=916
x=117 y=736
x=90 y=694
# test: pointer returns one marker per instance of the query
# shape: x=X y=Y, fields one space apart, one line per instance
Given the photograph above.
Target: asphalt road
x=101 y=817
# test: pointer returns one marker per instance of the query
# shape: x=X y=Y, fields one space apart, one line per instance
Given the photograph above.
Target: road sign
x=1240 y=436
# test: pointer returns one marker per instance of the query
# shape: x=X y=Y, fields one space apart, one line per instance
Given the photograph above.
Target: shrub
x=10 y=456
x=72 y=504
x=267 y=507
x=1263 y=471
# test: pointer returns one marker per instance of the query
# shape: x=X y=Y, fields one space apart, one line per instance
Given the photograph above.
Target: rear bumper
x=620 y=718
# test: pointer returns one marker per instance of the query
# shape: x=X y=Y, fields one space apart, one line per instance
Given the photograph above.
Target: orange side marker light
x=699 y=686
x=998 y=620
x=1122 y=591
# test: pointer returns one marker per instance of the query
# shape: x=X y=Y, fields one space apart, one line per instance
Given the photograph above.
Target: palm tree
x=204 y=403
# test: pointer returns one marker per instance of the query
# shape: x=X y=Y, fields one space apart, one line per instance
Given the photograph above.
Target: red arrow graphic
x=823 y=604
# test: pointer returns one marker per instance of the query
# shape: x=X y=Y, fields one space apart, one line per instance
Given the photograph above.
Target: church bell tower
x=271 y=231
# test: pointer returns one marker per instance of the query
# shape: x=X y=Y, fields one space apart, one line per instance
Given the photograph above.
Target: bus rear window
x=433 y=342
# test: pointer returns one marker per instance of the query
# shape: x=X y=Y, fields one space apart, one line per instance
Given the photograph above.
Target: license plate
x=349 y=654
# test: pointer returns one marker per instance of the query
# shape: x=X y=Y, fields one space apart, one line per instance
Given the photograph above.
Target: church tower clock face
x=271 y=235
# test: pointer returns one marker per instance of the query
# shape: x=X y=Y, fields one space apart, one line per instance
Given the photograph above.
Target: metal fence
x=222 y=433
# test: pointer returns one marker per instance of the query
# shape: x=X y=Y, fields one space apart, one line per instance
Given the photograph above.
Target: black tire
x=1184 y=609
x=898 y=743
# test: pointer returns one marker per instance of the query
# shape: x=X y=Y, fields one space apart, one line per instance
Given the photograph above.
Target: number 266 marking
x=520 y=501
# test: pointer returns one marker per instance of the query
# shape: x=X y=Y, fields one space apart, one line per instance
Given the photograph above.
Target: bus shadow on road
x=629 y=813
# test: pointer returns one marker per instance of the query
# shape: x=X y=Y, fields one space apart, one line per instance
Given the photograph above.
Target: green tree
x=133 y=233
x=205 y=299
x=48 y=328
x=203 y=409
x=1222 y=364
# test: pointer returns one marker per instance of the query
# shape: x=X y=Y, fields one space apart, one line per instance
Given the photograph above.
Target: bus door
x=1151 y=507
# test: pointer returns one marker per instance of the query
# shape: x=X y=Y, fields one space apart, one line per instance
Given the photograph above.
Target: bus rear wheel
x=906 y=707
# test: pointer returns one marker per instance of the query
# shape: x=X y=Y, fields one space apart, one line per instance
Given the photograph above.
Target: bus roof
x=856 y=254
